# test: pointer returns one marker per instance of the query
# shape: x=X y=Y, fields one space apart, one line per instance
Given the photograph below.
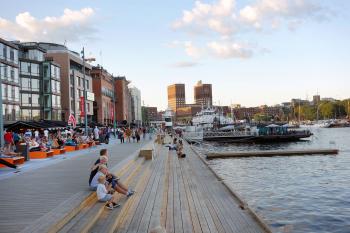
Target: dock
x=179 y=194
x=271 y=153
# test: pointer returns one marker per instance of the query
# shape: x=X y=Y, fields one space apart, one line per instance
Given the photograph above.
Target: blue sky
x=254 y=52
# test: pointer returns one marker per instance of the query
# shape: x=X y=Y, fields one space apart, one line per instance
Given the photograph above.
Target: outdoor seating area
x=45 y=139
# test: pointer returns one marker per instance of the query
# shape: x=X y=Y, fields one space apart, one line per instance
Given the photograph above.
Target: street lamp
x=85 y=92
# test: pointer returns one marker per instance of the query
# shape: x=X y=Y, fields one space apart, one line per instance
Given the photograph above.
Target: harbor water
x=293 y=194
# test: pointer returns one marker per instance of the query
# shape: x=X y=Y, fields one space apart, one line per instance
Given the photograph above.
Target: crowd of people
x=45 y=140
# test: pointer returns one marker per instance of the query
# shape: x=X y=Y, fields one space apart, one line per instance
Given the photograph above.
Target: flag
x=72 y=121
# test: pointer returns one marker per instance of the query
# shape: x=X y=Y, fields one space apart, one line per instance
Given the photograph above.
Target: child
x=103 y=195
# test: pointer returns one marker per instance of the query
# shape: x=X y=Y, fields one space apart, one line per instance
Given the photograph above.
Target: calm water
x=294 y=194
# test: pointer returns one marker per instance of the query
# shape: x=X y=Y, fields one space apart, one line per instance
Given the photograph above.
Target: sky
x=253 y=52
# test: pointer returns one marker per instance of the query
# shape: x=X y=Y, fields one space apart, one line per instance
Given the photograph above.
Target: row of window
x=107 y=92
x=8 y=73
x=9 y=92
x=28 y=68
x=13 y=113
x=51 y=71
x=30 y=100
x=72 y=104
x=10 y=112
x=80 y=81
x=9 y=54
x=30 y=84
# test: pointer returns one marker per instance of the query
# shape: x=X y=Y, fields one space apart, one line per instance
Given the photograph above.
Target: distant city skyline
x=253 y=52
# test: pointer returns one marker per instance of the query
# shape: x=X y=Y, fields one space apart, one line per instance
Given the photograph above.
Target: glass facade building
x=40 y=89
x=10 y=84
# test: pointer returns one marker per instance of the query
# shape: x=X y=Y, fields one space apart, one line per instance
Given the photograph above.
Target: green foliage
x=262 y=117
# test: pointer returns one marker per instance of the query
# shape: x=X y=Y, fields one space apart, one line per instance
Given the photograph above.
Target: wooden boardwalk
x=181 y=195
x=31 y=195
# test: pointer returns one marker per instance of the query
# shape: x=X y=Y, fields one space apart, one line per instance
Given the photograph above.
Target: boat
x=259 y=133
x=210 y=118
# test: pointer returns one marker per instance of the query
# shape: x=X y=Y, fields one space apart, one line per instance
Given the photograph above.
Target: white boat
x=168 y=118
x=207 y=118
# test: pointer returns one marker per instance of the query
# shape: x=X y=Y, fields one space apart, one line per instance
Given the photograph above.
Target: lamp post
x=85 y=92
x=1 y=114
x=114 y=102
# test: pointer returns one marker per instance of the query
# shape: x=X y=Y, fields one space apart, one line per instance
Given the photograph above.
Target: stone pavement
x=30 y=194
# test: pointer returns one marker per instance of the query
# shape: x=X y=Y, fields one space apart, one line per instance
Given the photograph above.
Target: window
x=25 y=84
x=26 y=99
x=26 y=114
x=72 y=80
x=9 y=92
x=79 y=81
x=35 y=69
x=87 y=84
x=36 y=55
x=53 y=86
x=72 y=92
x=17 y=94
x=54 y=102
x=36 y=115
x=35 y=84
x=12 y=74
x=46 y=71
x=16 y=78
x=4 y=91
x=88 y=107
x=2 y=50
x=25 y=68
x=58 y=87
x=35 y=100
x=12 y=55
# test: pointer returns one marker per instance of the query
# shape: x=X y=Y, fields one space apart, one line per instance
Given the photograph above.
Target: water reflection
x=294 y=194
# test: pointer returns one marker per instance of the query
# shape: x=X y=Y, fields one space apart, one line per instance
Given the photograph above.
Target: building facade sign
x=90 y=96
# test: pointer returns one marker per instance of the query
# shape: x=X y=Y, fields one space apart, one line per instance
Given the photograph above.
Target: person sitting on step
x=103 y=195
x=114 y=182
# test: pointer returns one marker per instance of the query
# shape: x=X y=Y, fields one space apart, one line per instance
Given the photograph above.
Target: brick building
x=203 y=94
x=176 y=96
x=103 y=88
x=123 y=105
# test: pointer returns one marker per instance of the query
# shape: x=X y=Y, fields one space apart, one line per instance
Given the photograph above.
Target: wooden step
x=107 y=220
x=87 y=218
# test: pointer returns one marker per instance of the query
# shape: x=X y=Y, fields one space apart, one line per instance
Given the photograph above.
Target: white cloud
x=190 y=49
x=71 y=26
x=184 y=64
x=229 y=50
x=222 y=19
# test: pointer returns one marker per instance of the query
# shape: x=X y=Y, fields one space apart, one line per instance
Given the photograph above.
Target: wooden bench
x=40 y=154
x=70 y=148
x=147 y=152
x=58 y=151
x=14 y=160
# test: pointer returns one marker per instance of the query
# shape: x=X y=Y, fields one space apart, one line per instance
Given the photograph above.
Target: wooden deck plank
x=239 y=220
x=136 y=219
x=169 y=226
x=123 y=220
x=163 y=212
x=202 y=208
x=185 y=212
x=177 y=203
x=157 y=212
x=193 y=213
x=152 y=210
